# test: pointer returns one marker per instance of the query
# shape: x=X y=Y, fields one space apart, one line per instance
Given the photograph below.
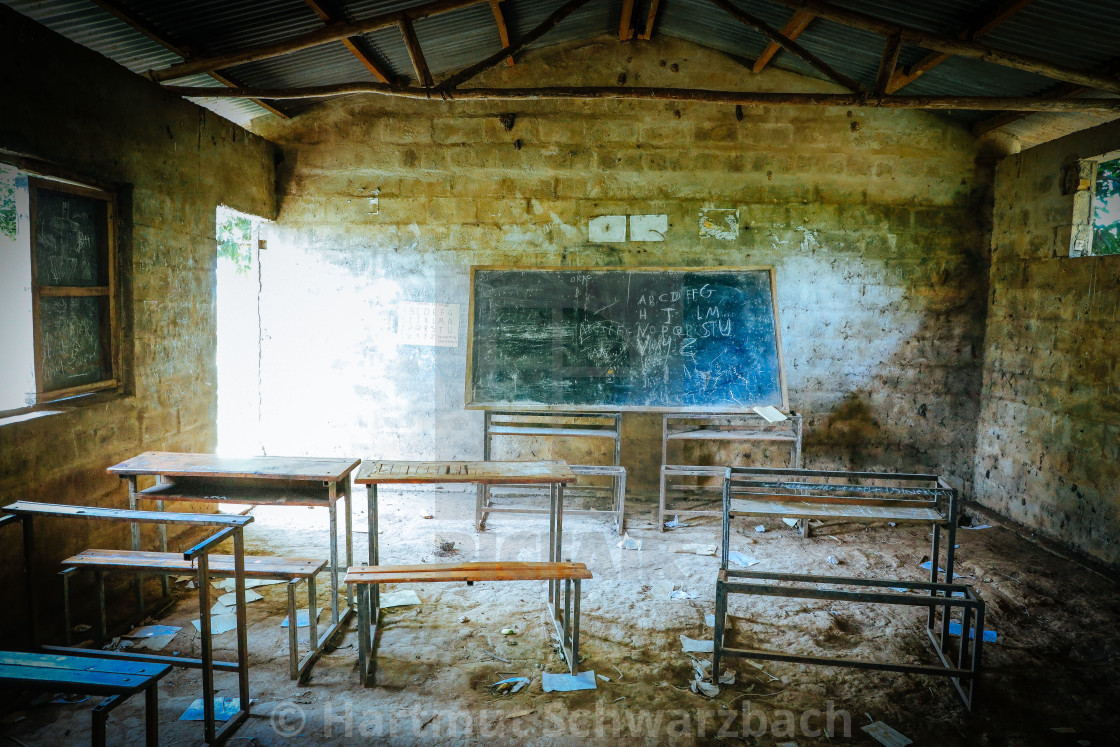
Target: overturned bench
x=565 y=614
x=292 y=570
x=79 y=674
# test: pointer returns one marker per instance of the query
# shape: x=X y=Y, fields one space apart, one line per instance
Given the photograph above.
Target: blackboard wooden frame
x=471 y=404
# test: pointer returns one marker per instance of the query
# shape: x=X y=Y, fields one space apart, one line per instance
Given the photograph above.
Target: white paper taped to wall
x=423 y=323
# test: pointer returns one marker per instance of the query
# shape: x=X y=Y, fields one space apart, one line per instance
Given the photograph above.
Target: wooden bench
x=78 y=674
x=484 y=499
x=292 y=570
x=565 y=616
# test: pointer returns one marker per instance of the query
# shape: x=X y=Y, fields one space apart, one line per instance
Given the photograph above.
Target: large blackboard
x=660 y=339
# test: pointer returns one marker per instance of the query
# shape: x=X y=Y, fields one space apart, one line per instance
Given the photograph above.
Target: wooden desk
x=260 y=481
x=555 y=474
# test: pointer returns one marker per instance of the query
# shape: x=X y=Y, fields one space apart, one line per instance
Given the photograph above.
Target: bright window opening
x=1096 y=208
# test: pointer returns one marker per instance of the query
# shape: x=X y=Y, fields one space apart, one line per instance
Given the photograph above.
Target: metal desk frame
x=229 y=527
x=208 y=478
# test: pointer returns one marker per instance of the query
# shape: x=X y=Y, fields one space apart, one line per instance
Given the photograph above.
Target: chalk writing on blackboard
x=664 y=339
x=70 y=335
x=67 y=239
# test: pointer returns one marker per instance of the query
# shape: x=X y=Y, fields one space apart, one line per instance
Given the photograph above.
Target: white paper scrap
x=682 y=594
x=229 y=584
x=770 y=414
x=399 y=598
x=741 y=559
x=229 y=599
x=697 y=549
x=629 y=543
x=564 y=682
x=218 y=624
x=662 y=588
x=303 y=619
x=887 y=736
x=693 y=646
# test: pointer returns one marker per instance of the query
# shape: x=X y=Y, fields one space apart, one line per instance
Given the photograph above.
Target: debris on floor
x=224 y=709
x=676 y=522
x=761 y=528
x=230 y=584
x=218 y=623
x=509 y=686
x=790 y=522
x=886 y=736
x=229 y=599
x=955 y=630
x=564 y=682
x=303 y=619
x=682 y=594
x=629 y=543
x=398 y=598
x=697 y=550
x=662 y=588
x=693 y=646
x=742 y=559
x=152 y=637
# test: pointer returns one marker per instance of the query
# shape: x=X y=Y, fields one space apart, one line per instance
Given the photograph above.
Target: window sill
x=60 y=407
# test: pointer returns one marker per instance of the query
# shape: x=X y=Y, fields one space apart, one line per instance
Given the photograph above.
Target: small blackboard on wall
x=665 y=339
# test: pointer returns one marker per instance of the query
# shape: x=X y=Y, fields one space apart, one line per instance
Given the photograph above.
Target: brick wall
x=873 y=220
x=69 y=106
x=1048 y=445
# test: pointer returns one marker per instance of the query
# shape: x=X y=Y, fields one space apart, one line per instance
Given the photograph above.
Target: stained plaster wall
x=873 y=220
x=176 y=163
x=1048 y=446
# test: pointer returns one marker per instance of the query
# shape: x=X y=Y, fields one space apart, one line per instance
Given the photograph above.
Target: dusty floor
x=1049 y=680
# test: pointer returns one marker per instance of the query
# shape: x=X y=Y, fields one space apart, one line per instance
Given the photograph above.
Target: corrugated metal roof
x=1082 y=34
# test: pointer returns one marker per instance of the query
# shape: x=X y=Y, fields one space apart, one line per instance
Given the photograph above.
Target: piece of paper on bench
x=769 y=413
x=218 y=623
x=399 y=598
x=565 y=683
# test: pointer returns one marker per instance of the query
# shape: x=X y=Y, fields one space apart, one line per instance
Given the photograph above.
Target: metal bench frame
x=297 y=668
x=565 y=619
x=484 y=497
x=229 y=527
x=943 y=597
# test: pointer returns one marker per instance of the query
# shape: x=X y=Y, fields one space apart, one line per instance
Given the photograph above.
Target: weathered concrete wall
x=872 y=218
x=69 y=106
x=1048 y=446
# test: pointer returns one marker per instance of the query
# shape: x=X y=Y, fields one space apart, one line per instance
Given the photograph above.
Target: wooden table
x=555 y=474
x=260 y=481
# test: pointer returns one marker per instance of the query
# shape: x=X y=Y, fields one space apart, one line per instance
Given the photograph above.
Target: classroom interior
x=935 y=229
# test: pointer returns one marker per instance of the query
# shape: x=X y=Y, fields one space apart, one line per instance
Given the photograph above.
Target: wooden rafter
x=352 y=43
x=423 y=75
x=647 y=34
x=325 y=35
x=960 y=47
x=626 y=21
x=911 y=73
x=745 y=98
x=547 y=25
x=503 y=31
x=797 y=24
x=788 y=44
x=183 y=50
x=887 y=63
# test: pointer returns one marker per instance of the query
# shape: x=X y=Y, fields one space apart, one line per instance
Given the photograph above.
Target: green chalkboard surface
x=656 y=339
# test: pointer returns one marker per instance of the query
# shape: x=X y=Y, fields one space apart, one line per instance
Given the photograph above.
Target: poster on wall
x=432 y=324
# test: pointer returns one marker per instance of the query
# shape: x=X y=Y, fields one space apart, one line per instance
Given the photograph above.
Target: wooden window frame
x=110 y=330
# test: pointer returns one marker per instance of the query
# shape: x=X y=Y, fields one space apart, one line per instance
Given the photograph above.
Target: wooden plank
x=625 y=21
x=256 y=566
x=450 y=572
x=31 y=508
x=172 y=464
x=73 y=291
x=86 y=682
x=887 y=64
x=803 y=510
x=911 y=73
x=220 y=491
x=490 y=473
x=58 y=662
x=647 y=34
x=503 y=30
x=352 y=43
x=423 y=75
x=797 y=24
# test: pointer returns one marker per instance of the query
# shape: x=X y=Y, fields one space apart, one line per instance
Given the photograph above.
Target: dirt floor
x=1050 y=679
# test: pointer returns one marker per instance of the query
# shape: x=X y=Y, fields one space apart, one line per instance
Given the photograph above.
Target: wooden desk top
x=178 y=464
x=491 y=473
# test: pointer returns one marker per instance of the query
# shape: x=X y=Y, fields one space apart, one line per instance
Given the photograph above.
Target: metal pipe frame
x=484 y=496
x=200 y=554
x=617 y=491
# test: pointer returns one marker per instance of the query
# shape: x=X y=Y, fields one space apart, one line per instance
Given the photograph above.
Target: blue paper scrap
x=564 y=683
x=740 y=559
x=955 y=629
x=224 y=709
x=303 y=619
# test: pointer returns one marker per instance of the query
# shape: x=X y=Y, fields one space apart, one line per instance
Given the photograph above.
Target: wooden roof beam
x=797 y=23
x=911 y=73
x=789 y=45
x=887 y=64
x=503 y=30
x=626 y=21
x=645 y=93
x=423 y=75
x=184 y=51
x=329 y=33
x=961 y=47
x=352 y=43
x=647 y=34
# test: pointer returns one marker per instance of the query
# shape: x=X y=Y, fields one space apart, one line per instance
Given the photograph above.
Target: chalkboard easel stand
x=716 y=427
x=572 y=425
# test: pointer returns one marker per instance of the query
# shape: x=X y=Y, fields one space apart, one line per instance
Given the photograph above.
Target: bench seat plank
x=442 y=572
x=256 y=566
x=806 y=510
x=82 y=664
x=79 y=674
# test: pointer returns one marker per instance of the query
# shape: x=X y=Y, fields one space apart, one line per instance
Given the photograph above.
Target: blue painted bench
x=80 y=674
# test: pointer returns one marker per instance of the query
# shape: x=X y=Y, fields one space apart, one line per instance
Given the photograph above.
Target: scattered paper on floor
x=230 y=599
x=693 y=646
x=629 y=543
x=563 y=683
x=742 y=559
x=153 y=637
x=224 y=709
x=887 y=736
x=229 y=584
x=398 y=598
x=218 y=624
x=697 y=549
